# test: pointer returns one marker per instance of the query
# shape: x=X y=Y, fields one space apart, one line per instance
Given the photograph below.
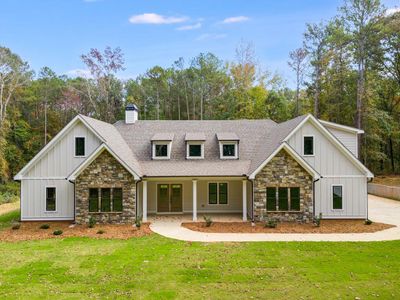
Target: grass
x=8 y=218
x=154 y=267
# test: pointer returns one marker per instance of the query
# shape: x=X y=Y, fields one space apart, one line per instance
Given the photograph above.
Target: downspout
x=252 y=198
x=73 y=182
x=313 y=197
x=136 y=197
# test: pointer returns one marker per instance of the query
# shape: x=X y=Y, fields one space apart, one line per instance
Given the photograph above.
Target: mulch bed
x=327 y=226
x=32 y=231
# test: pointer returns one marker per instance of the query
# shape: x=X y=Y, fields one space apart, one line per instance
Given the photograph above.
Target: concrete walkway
x=380 y=210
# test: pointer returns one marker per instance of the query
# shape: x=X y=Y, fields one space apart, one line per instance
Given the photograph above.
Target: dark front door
x=169 y=198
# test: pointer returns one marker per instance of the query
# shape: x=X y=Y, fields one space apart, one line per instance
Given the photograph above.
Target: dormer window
x=195 y=145
x=80 y=146
x=228 y=145
x=161 y=145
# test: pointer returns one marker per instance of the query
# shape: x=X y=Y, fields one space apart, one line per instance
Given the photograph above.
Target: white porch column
x=244 y=199
x=144 y=217
x=194 y=200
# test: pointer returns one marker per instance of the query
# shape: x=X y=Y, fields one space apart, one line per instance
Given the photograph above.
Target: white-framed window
x=337 y=196
x=218 y=193
x=80 y=146
x=195 y=150
x=51 y=199
x=228 y=150
x=161 y=150
x=308 y=145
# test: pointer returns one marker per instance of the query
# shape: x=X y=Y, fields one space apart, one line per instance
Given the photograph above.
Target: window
x=105 y=200
x=79 y=146
x=195 y=150
x=161 y=150
x=283 y=199
x=337 y=196
x=218 y=193
x=50 y=199
x=308 y=145
x=228 y=150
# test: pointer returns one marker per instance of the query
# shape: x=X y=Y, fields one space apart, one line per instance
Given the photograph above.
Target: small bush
x=271 y=223
x=16 y=226
x=44 y=226
x=208 y=220
x=317 y=220
x=367 y=222
x=92 y=222
x=9 y=192
x=101 y=231
x=58 y=232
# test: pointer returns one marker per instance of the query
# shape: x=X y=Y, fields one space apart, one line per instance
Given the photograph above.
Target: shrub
x=271 y=223
x=101 y=231
x=16 y=226
x=9 y=192
x=44 y=226
x=92 y=222
x=367 y=222
x=208 y=220
x=58 y=232
x=317 y=220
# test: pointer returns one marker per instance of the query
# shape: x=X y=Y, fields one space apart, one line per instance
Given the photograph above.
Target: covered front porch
x=194 y=197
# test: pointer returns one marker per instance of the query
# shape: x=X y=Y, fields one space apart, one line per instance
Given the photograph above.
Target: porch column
x=244 y=199
x=194 y=200
x=144 y=217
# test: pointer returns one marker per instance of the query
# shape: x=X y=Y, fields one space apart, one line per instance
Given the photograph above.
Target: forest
x=347 y=70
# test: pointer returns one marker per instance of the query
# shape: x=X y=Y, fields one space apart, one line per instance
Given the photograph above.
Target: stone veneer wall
x=283 y=171
x=105 y=172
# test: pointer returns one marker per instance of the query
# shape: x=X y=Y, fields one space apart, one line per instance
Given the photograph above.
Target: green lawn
x=154 y=267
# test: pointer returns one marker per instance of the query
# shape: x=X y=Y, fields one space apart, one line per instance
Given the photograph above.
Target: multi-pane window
x=283 y=199
x=105 y=200
x=161 y=150
x=337 y=196
x=79 y=146
x=228 y=150
x=50 y=199
x=195 y=150
x=218 y=193
x=308 y=145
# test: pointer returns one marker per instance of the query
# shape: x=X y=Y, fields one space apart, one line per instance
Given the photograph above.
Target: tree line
x=347 y=71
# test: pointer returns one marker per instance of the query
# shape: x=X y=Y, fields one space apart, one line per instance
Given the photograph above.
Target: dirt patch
x=7 y=207
x=32 y=231
x=390 y=180
x=327 y=226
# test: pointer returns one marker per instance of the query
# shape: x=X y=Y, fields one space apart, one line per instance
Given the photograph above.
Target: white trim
x=153 y=150
x=45 y=178
x=302 y=145
x=84 y=146
x=331 y=197
x=53 y=142
x=208 y=193
x=294 y=154
x=343 y=176
x=194 y=196
x=48 y=219
x=45 y=200
x=334 y=140
x=93 y=156
x=221 y=153
x=342 y=127
x=144 y=201
x=190 y=143
x=244 y=200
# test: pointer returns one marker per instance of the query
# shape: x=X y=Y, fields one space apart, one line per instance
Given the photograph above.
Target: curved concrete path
x=380 y=210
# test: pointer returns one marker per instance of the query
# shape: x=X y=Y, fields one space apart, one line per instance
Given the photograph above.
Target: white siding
x=60 y=160
x=334 y=167
x=348 y=139
x=33 y=204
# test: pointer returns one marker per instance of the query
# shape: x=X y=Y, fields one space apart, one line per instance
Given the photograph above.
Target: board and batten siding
x=51 y=171
x=335 y=168
x=348 y=139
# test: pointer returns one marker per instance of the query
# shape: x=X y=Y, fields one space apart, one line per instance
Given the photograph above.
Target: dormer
x=161 y=144
x=228 y=145
x=195 y=145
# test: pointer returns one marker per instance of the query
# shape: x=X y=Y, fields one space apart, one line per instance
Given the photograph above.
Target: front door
x=169 y=198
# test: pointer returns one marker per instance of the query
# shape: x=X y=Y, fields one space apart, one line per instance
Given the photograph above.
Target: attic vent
x=131 y=114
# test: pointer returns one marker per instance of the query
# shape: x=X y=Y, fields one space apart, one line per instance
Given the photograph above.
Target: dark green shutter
x=283 y=202
x=271 y=198
x=294 y=198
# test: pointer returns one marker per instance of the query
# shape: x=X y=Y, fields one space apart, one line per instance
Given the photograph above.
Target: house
x=116 y=172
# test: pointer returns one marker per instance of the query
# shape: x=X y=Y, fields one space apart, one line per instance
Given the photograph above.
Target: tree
x=298 y=64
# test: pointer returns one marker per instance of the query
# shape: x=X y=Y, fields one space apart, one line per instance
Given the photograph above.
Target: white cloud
x=391 y=11
x=237 y=19
x=151 y=18
x=79 y=73
x=190 y=27
x=210 y=36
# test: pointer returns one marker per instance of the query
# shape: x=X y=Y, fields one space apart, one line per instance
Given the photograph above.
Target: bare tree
x=298 y=64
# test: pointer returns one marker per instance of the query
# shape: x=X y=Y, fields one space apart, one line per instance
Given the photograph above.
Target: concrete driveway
x=380 y=210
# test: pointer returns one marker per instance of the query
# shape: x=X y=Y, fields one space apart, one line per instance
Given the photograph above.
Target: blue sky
x=55 y=33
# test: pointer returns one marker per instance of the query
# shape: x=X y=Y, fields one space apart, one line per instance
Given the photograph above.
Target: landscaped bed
x=326 y=226
x=32 y=231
